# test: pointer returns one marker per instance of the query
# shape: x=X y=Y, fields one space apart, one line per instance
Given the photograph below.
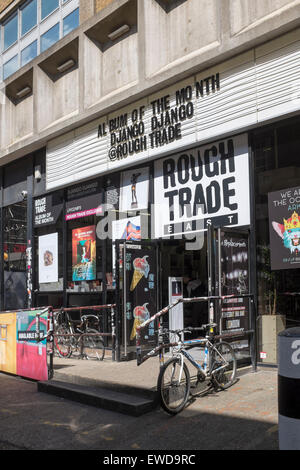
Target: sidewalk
x=243 y=417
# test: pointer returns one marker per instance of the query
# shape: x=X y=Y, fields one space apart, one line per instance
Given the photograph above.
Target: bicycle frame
x=205 y=370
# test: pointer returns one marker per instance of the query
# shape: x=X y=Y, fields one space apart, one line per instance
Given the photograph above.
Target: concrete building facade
x=198 y=99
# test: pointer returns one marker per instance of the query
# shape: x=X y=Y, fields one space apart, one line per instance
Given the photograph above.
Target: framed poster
x=284 y=228
x=84 y=253
x=134 y=192
x=48 y=258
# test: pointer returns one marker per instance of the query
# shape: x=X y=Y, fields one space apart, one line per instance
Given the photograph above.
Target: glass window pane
x=11 y=32
x=29 y=16
x=71 y=22
x=10 y=67
x=29 y=53
x=48 y=6
x=50 y=37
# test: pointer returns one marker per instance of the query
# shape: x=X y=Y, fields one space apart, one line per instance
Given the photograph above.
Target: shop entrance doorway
x=152 y=274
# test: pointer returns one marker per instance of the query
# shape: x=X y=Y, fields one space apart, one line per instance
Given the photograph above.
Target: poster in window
x=141 y=294
x=284 y=228
x=134 y=190
x=48 y=258
x=84 y=253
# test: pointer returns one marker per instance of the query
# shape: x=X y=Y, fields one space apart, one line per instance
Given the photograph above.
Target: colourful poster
x=84 y=253
x=284 y=228
x=31 y=355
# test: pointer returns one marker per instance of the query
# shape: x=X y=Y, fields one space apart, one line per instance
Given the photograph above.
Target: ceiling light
x=119 y=32
x=66 y=65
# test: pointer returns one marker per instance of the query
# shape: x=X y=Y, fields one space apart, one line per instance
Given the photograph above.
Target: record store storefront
x=191 y=191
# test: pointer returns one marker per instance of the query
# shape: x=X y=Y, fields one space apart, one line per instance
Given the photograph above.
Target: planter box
x=268 y=328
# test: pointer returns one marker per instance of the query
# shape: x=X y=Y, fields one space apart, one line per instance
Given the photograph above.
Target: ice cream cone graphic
x=140 y=314
x=141 y=268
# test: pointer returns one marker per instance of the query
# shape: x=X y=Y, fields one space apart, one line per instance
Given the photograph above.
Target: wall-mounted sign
x=284 y=228
x=84 y=200
x=206 y=183
x=45 y=211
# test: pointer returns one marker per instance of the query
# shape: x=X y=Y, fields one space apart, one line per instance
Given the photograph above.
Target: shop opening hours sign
x=208 y=183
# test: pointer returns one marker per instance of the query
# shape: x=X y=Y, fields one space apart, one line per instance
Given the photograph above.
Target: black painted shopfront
x=58 y=248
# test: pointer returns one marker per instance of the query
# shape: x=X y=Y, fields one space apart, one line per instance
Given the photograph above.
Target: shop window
x=48 y=244
x=277 y=171
x=14 y=247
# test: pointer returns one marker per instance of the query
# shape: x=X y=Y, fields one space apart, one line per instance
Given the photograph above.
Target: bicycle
x=174 y=381
x=69 y=338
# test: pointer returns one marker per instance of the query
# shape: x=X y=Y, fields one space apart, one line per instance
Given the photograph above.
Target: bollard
x=289 y=389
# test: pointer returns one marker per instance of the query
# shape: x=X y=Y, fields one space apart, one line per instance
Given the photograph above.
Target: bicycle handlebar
x=189 y=329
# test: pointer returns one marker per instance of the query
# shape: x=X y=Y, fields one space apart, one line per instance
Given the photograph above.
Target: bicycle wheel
x=223 y=356
x=173 y=390
x=62 y=343
x=93 y=346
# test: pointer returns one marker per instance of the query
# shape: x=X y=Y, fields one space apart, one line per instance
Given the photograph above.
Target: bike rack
x=95 y=308
x=161 y=346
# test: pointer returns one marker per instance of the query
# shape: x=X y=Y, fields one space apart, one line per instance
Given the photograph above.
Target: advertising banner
x=210 y=182
x=31 y=355
x=141 y=294
x=84 y=253
x=48 y=258
x=284 y=228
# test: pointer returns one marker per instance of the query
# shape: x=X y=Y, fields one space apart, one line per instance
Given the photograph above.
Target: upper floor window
x=10 y=31
x=28 y=16
x=48 y=6
x=29 y=30
x=50 y=37
x=71 y=22
x=28 y=53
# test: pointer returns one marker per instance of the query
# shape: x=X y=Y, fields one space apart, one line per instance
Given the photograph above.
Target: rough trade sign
x=206 y=183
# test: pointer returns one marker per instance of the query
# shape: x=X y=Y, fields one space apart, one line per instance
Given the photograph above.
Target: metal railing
x=161 y=346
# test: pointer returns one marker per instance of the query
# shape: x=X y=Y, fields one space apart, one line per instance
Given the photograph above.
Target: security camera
x=24 y=194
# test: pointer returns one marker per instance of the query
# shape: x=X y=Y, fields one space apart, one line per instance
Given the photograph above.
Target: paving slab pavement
x=244 y=417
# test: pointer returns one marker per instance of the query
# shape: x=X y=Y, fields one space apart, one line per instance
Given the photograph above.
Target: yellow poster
x=8 y=343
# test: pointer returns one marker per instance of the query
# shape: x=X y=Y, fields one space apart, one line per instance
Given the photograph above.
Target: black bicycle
x=71 y=337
